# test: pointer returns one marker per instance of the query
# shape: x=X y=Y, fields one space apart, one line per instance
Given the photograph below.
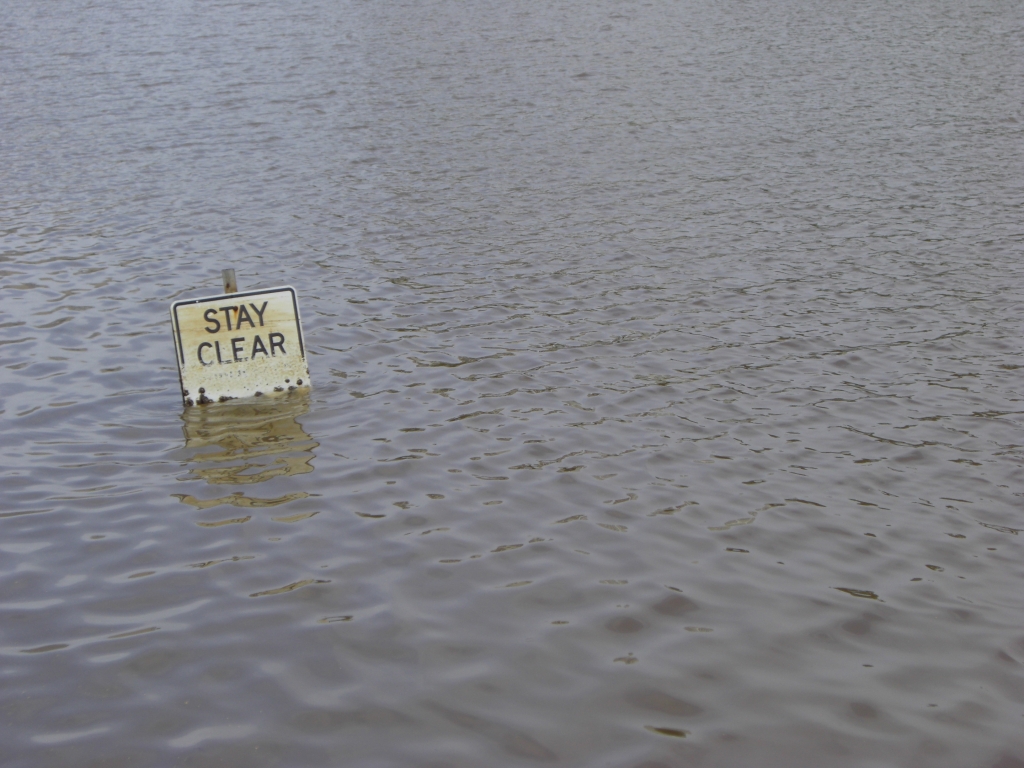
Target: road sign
x=239 y=345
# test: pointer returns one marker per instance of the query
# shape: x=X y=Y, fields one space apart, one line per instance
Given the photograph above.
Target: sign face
x=239 y=345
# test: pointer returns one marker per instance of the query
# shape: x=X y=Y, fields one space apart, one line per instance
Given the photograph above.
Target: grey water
x=667 y=384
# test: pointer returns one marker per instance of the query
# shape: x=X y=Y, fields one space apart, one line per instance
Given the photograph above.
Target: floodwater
x=667 y=384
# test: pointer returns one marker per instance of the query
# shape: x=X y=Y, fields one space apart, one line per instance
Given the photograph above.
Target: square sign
x=239 y=345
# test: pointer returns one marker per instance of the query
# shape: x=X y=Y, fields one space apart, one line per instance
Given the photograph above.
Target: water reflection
x=244 y=443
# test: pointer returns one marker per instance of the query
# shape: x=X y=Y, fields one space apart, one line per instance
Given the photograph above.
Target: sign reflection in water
x=245 y=443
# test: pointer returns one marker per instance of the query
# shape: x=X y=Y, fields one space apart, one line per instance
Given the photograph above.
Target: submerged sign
x=239 y=345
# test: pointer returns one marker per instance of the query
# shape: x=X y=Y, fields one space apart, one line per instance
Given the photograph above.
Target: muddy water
x=667 y=384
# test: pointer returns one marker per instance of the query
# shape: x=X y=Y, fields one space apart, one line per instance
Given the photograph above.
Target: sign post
x=239 y=345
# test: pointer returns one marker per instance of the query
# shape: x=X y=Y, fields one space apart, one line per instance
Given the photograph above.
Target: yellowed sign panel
x=239 y=345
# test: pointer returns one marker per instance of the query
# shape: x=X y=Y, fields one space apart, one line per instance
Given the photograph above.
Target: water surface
x=667 y=393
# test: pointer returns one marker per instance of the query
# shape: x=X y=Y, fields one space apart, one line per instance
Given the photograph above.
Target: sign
x=239 y=345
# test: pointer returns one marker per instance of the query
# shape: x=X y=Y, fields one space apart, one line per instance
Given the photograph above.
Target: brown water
x=667 y=381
